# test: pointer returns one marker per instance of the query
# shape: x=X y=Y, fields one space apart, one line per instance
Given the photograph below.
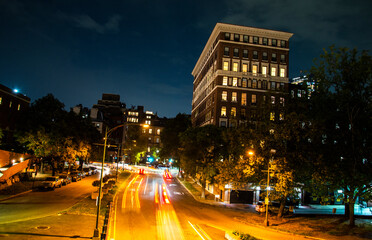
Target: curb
x=16 y=195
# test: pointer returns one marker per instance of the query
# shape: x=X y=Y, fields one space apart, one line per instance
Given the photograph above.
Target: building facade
x=240 y=69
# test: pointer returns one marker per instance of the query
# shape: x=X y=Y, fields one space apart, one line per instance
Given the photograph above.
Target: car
x=51 y=182
x=273 y=207
x=94 y=170
x=75 y=176
x=66 y=179
x=167 y=174
x=141 y=171
x=87 y=171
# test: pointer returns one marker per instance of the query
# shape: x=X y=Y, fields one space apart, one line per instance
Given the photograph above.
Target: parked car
x=87 y=171
x=66 y=179
x=51 y=182
x=94 y=170
x=75 y=176
x=273 y=207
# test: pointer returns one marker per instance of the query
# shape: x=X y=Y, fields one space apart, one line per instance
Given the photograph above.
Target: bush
x=244 y=236
x=95 y=183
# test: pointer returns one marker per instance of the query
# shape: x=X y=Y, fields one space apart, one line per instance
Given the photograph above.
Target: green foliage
x=1 y=135
x=342 y=111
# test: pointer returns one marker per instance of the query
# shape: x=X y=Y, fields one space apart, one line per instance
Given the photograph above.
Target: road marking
x=202 y=232
x=178 y=193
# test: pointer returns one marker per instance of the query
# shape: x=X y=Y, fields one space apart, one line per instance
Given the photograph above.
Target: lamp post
x=107 y=132
x=266 y=223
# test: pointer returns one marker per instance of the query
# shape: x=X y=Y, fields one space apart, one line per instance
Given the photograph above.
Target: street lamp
x=107 y=132
x=266 y=223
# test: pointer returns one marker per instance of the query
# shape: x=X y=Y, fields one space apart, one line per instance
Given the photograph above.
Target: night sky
x=145 y=50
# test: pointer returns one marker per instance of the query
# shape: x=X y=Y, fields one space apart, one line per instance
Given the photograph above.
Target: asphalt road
x=150 y=207
x=38 y=204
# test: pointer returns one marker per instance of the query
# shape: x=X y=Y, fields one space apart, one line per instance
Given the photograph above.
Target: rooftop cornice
x=223 y=27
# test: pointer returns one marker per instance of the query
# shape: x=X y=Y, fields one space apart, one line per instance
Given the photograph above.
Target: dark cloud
x=85 y=21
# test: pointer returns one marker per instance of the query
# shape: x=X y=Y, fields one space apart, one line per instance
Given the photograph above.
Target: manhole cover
x=42 y=227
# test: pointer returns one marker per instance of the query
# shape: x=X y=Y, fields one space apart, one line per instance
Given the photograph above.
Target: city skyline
x=145 y=53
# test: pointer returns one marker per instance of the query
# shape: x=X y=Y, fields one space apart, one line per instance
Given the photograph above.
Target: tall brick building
x=239 y=70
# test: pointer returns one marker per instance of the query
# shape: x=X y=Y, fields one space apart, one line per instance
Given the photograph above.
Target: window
x=272 y=85
x=264 y=84
x=274 y=42
x=273 y=71
x=226 y=66
x=235 y=67
x=245 y=38
x=255 y=55
x=224 y=81
x=259 y=84
x=272 y=99
x=226 y=51
x=19 y=107
x=281 y=116
x=150 y=131
x=236 y=52
x=244 y=83
x=223 y=124
x=158 y=132
x=157 y=140
x=254 y=99
x=244 y=99
x=245 y=53
x=223 y=111
x=245 y=67
x=299 y=93
x=282 y=72
x=10 y=104
x=236 y=37
x=224 y=95
x=233 y=112
x=282 y=58
x=234 y=97
x=254 y=70
x=235 y=82
x=264 y=56
x=255 y=40
x=281 y=100
x=273 y=57
x=242 y=113
x=1 y=100
x=264 y=41
x=282 y=44
x=227 y=36
x=254 y=83
x=281 y=86
x=264 y=70
x=148 y=117
x=272 y=116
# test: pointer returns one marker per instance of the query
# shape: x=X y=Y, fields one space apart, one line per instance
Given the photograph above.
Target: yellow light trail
x=138 y=204
x=126 y=192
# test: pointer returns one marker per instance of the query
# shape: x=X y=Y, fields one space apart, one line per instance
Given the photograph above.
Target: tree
x=1 y=135
x=200 y=152
x=170 y=136
x=342 y=110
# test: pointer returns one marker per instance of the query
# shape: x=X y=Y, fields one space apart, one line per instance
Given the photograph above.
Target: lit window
x=244 y=83
x=254 y=99
x=281 y=100
x=226 y=66
x=273 y=71
x=223 y=111
x=272 y=99
x=233 y=112
x=150 y=139
x=272 y=116
x=236 y=37
x=19 y=107
x=234 y=97
x=224 y=81
x=255 y=40
x=149 y=117
x=1 y=100
x=158 y=132
x=264 y=70
x=264 y=41
x=235 y=67
x=148 y=122
x=244 y=99
x=254 y=70
x=224 y=95
x=10 y=104
x=245 y=67
x=282 y=72
x=150 y=130
x=254 y=83
x=227 y=36
x=157 y=140
x=281 y=116
x=235 y=82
